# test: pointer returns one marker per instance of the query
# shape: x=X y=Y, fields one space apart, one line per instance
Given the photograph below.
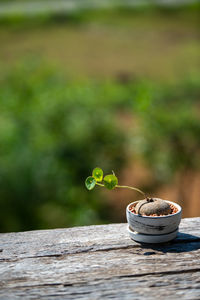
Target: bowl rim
x=158 y=217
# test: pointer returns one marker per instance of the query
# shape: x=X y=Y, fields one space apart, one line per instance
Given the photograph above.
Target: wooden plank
x=80 y=239
x=98 y=262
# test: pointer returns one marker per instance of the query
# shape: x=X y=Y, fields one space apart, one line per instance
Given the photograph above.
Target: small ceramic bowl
x=152 y=238
x=153 y=225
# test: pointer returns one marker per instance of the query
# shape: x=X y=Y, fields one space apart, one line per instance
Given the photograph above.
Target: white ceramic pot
x=152 y=238
x=153 y=225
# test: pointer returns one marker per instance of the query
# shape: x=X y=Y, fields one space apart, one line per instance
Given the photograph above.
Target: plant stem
x=131 y=188
x=100 y=184
x=127 y=187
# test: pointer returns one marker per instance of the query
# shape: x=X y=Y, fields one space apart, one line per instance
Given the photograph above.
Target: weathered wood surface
x=99 y=262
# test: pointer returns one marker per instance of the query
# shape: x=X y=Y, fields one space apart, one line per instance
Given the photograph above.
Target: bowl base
x=152 y=238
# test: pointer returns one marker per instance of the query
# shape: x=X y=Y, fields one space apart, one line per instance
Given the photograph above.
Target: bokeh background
x=114 y=84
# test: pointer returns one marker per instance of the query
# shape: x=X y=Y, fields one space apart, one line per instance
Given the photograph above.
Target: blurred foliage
x=19 y=12
x=168 y=134
x=54 y=131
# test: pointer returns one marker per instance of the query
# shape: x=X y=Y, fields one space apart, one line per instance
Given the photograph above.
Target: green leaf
x=97 y=174
x=90 y=183
x=110 y=181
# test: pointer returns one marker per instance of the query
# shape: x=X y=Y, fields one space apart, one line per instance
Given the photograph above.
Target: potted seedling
x=150 y=220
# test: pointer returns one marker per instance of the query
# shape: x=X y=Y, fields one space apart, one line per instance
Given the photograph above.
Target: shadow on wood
x=183 y=243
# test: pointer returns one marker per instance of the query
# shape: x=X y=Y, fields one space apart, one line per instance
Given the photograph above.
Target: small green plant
x=109 y=181
x=148 y=206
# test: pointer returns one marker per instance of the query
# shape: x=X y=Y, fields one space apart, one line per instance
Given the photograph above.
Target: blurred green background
x=114 y=85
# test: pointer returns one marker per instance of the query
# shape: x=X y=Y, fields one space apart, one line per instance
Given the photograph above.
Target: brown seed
x=173 y=210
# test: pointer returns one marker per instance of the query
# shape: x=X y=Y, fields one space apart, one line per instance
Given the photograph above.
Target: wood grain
x=99 y=262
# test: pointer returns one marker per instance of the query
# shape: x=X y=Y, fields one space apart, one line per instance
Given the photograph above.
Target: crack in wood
x=173 y=272
x=64 y=253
